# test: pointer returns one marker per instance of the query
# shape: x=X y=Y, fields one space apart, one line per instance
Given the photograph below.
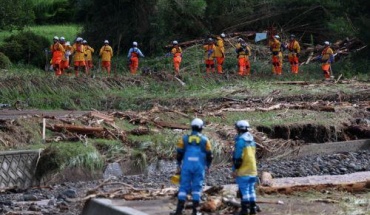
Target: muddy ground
x=296 y=120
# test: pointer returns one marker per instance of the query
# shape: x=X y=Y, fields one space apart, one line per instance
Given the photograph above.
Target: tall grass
x=49 y=31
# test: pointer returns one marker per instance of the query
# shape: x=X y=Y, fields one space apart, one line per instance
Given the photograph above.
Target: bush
x=4 y=61
x=26 y=47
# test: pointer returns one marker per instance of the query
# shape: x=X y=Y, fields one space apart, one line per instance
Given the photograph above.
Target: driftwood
x=101 y=116
x=349 y=187
x=292 y=82
x=141 y=130
x=171 y=125
x=235 y=203
x=76 y=128
x=212 y=204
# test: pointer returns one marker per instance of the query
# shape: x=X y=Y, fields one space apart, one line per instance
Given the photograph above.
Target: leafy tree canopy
x=15 y=14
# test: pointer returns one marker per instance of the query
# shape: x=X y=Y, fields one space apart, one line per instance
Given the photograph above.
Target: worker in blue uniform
x=245 y=167
x=194 y=158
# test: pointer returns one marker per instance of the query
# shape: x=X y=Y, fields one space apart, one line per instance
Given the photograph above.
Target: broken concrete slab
x=107 y=206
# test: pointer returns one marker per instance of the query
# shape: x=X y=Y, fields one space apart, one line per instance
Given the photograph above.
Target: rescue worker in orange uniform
x=220 y=52
x=209 y=54
x=133 y=56
x=294 y=50
x=106 y=54
x=79 y=56
x=88 y=56
x=243 y=52
x=67 y=52
x=326 y=58
x=277 y=56
x=57 y=51
x=176 y=52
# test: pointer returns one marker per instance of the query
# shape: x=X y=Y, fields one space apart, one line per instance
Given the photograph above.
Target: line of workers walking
x=214 y=53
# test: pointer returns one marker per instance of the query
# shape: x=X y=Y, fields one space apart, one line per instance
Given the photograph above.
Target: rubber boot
x=244 y=210
x=195 y=207
x=252 y=208
x=179 y=208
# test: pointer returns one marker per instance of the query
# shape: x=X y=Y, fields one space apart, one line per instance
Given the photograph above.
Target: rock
x=6 y=210
x=70 y=193
x=52 y=202
x=342 y=169
x=29 y=197
x=63 y=206
x=34 y=207
x=113 y=169
x=266 y=179
x=45 y=211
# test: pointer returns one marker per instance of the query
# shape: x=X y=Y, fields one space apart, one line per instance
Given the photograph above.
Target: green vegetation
x=4 y=61
x=25 y=47
x=69 y=31
x=58 y=156
x=16 y=14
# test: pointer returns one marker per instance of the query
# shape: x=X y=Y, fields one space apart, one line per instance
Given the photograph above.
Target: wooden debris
x=292 y=82
x=171 y=125
x=331 y=201
x=235 y=203
x=141 y=130
x=349 y=187
x=214 y=190
x=75 y=128
x=181 y=82
x=100 y=115
x=212 y=204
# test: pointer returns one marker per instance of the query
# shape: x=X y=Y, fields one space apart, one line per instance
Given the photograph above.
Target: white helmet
x=134 y=43
x=79 y=39
x=106 y=41
x=84 y=41
x=56 y=38
x=68 y=43
x=242 y=125
x=277 y=36
x=62 y=38
x=327 y=43
x=197 y=123
x=175 y=42
x=222 y=35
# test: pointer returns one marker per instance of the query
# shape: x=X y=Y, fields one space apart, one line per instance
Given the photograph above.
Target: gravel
x=51 y=200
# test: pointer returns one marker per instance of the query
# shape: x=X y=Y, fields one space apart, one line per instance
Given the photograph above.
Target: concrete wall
x=17 y=168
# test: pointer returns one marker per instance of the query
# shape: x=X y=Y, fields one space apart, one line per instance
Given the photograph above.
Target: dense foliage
x=4 y=61
x=157 y=22
x=15 y=14
x=25 y=47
